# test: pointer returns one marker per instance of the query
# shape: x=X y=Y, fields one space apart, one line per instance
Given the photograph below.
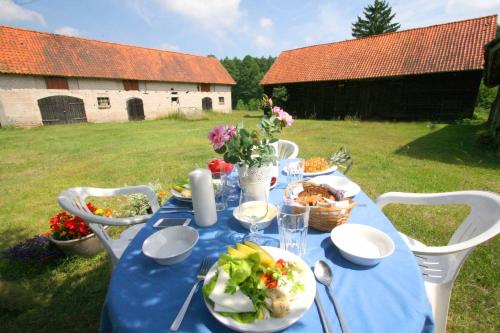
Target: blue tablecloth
x=144 y=296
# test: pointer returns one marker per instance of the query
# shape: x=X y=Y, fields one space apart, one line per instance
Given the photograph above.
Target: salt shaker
x=202 y=193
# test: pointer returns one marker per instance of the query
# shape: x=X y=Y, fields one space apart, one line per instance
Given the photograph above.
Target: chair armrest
x=444 y=198
x=444 y=250
x=143 y=189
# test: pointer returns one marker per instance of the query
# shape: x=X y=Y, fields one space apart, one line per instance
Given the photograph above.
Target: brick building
x=52 y=79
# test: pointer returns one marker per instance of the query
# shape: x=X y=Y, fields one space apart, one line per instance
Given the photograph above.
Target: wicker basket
x=323 y=218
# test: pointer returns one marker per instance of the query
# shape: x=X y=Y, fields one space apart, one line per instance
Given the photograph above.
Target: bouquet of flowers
x=239 y=145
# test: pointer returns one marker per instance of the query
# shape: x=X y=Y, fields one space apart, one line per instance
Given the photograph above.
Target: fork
x=202 y=272
x=165 y=211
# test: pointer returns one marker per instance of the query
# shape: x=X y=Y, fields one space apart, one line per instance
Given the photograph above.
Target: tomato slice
x=265 y=278
x=280 y=264
x=273 y=284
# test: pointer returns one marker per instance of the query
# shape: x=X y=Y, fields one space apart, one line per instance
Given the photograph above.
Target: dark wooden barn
x=430 y=73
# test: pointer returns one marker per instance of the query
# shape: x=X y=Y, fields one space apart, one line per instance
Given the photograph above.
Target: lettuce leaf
x=209 y=287
x=241 y=317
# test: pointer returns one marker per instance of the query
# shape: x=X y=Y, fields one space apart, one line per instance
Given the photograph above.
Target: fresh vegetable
x=273 y=181
x=266 y=258
x=219 y=165
x=248 y=288
x=183 y=189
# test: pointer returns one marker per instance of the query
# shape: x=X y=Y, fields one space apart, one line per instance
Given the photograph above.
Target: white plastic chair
x=286 y=149
x=440 y=264
x=73 y=201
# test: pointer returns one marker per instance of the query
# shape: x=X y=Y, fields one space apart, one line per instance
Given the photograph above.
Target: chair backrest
x=482 y=223
x=287 y=149
x=73 y=201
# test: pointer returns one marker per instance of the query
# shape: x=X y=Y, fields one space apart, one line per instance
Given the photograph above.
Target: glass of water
x=232 y=186
x=293 y=222
x=219 y=184
x=294 y=169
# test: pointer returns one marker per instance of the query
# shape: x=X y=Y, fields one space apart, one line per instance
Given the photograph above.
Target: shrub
x=241 y=105
x=253 y=104
x=486 y=96
x=280 y=96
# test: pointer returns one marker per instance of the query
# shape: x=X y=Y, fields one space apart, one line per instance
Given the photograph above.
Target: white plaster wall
x=19 y=96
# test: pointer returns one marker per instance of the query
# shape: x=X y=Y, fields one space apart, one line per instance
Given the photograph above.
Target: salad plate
x=316 y=173
x=298 y=305
x=323 y=172
x=350 y=188
x=178 y=196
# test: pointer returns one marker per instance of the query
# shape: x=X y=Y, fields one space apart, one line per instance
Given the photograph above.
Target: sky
x=224 y=28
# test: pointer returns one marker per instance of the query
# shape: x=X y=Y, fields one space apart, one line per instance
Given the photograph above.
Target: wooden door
x=62 y=110
x=135 y=109
x=206 y=103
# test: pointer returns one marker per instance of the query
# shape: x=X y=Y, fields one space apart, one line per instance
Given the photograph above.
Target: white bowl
x=170 y=245
x=272 y=211
x=362 y=244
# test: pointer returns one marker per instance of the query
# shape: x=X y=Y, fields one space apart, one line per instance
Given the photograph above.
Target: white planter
x=87 y=246
x=257 y=178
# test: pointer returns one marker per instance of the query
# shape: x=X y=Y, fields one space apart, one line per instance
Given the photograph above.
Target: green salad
x=250 y=285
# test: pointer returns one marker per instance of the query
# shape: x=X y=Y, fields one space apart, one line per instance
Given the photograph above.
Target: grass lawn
x=36 y=164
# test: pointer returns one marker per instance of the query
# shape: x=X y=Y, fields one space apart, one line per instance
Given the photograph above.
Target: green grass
x=36 y=164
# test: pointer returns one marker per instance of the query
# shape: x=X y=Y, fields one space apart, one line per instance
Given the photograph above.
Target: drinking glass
x=294 y=169
x=219 y=184
x=254 y=207
x=293 y=222
x=232 y=186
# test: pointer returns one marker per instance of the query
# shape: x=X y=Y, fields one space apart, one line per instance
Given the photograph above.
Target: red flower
x=70 y=224
x=91 y=207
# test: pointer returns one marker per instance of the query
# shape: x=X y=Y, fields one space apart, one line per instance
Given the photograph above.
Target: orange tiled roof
x=37 y=53
x=450 y=47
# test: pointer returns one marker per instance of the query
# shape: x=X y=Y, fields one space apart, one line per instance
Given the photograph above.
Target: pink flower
x=216 y=136
x=219 y=135
x=270 y=101
x=283 y=116
x=230 y=132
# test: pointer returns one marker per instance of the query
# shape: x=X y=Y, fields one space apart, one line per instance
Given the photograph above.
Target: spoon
x=324 y=275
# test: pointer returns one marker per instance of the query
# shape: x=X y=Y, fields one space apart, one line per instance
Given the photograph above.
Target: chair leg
x=439 y=296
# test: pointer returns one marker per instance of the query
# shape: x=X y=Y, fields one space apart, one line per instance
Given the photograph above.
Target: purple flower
x=36 y=249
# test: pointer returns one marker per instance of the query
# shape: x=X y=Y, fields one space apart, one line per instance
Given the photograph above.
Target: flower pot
x=87 y=246
x=259 y=178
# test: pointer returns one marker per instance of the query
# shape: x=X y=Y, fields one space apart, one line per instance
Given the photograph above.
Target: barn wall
x=445 y=96
x=19 y=98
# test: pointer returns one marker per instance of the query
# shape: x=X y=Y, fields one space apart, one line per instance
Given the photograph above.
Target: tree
x=280 y=96
x=377 y=20
x=247 y=73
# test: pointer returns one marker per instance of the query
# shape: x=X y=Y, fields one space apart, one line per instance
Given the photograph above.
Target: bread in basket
x=328 y=208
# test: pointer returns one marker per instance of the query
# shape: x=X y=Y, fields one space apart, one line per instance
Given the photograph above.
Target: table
x=390 y=297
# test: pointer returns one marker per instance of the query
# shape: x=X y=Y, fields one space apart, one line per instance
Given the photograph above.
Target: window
x=221 y=100
x=103 y=103
x=205 y=87
x=56 y=82
x=175 y=99
x=130 y=85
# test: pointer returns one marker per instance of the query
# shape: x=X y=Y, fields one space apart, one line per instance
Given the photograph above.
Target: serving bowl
x=272 y=212
x=170 y=245
x=362 y=244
